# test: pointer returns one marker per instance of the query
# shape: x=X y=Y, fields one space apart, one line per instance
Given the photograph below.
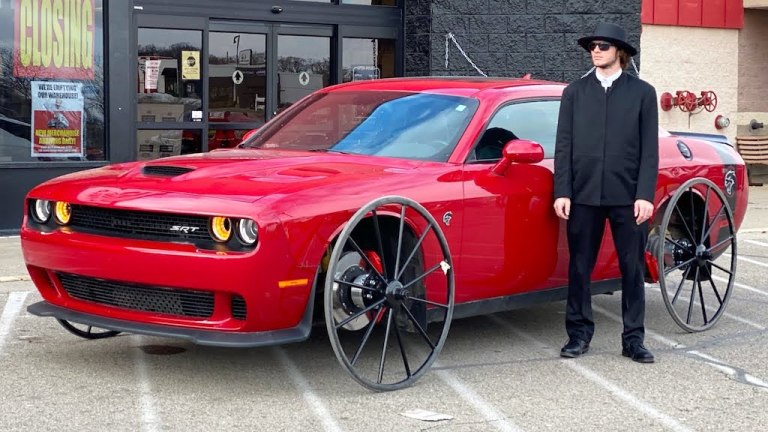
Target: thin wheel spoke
x=693 y=293
x=89 y=330
x=701 y=300
x=413 y=252
x=444 y=306
x=717 y=266
x=427 y=273
x=352 y=284
x=399 y=240
x=367 y=260
x=379 y=242
x=720 y=243
x=680 y=286
x=685 y=224
x=357 y=315
x=418 y=326
x=719 y=212
x=714 y=288
x=683 y=264
x=384 y=349
x=704 y=230
x=402 y=352
x=367 y=334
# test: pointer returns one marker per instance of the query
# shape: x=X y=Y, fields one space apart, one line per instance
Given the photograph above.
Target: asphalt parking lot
x=496 y=372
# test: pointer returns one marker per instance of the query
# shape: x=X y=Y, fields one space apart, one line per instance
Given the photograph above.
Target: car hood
x=233 y=175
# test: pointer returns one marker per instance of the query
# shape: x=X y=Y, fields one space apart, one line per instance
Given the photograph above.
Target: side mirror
x=519 y=151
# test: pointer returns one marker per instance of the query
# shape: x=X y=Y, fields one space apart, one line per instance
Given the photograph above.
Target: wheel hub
x=702 y=255
x=396 y=293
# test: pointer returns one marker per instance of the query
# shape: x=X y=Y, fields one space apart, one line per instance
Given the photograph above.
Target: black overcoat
x=607 y=147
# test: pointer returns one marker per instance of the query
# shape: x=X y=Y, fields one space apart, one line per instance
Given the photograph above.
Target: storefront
x=90 y=82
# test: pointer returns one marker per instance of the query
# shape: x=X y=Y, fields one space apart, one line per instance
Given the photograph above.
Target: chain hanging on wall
x=450 y=37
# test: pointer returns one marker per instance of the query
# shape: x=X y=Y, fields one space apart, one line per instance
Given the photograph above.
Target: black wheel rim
x=388 y=304
x=86 y=331
x=697 y=257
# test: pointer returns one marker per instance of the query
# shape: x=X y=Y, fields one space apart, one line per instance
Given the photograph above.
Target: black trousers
x=585 y=233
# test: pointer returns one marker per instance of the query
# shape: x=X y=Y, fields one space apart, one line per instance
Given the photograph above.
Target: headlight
x=221 y=228
x=247 y=232
x=41 y=211
x=63 y=212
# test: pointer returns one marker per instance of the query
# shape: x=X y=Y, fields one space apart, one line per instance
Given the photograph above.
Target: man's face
x=603 y=58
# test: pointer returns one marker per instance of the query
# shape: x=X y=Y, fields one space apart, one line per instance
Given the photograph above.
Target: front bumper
x=202 y=337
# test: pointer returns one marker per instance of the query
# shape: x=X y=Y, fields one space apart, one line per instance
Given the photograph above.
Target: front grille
x=165 y=170
x=171 y=301
x=238 y=307
x=139 y=224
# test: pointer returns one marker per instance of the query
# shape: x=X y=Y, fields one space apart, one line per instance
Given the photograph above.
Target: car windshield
x=400 y=124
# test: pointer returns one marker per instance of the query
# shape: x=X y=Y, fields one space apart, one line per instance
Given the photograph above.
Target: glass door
x=303 y=62
x=169 y=86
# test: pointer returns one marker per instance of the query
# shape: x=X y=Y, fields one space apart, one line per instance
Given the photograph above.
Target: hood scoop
x=165 y=170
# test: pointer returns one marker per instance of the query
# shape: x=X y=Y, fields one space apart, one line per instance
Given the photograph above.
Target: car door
x=512 y=240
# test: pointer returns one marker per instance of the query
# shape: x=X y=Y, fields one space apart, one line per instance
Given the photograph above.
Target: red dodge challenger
x=379 y=209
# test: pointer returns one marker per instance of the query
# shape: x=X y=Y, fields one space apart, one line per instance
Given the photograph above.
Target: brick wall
x=509 y=37
x=693 y=59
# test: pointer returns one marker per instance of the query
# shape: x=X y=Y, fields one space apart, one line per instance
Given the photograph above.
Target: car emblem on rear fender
x=447 y=218
x=730 y=182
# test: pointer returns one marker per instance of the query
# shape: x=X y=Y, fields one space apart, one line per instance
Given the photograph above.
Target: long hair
x=624 y=58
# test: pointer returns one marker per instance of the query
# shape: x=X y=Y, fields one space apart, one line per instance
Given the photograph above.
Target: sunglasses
x=604 y=46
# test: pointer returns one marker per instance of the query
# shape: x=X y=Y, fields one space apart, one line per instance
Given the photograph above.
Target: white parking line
x=760 y=263
x=713 y=309
x=711 y=361
x=741 y=285
x=14 y=278
x=634 y=402
x=315 y=403
x=150 y=421
x=755 y=242
x=10 y=311
x=491 y=415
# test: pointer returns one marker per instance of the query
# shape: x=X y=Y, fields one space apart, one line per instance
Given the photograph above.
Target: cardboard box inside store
x=160 y=112
x=153 y=144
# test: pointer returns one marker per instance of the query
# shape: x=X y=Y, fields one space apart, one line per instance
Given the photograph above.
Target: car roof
x=459 y=86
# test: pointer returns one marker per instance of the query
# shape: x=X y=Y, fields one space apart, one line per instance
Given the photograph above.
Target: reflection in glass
x=154 y=144
x=398 y=124
x=19 y=101
x=364 y=59
x=303 y=66
x=169 y=78
x=221 y=138
x=228 y=100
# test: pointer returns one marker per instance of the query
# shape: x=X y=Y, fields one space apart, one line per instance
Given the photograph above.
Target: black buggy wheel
x=87 y=332
x=697 y=257
x=389 y=294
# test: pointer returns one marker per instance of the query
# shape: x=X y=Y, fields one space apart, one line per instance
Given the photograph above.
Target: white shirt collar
x=607 y=81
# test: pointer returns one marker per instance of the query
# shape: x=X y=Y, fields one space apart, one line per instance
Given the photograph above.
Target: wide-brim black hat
x=609 y=33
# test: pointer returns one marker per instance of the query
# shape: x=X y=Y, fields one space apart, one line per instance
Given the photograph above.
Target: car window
x=535 y=121
x=402 y=124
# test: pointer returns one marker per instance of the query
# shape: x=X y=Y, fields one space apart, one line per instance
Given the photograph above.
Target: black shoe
x=574 y=348
x=638 y=353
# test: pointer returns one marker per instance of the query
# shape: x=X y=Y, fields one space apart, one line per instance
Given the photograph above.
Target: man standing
x=606 y=163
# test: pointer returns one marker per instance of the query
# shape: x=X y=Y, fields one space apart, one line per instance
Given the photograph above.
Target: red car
x=382 y=208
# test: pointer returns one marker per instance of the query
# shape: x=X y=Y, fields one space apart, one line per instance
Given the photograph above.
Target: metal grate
x=165 y=170
x=238 y=307
x=171 y=301
x=138 y=224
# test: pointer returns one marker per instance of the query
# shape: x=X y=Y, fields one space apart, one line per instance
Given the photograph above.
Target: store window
x=371 y=2
x=368 y=58
x=52 y=81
